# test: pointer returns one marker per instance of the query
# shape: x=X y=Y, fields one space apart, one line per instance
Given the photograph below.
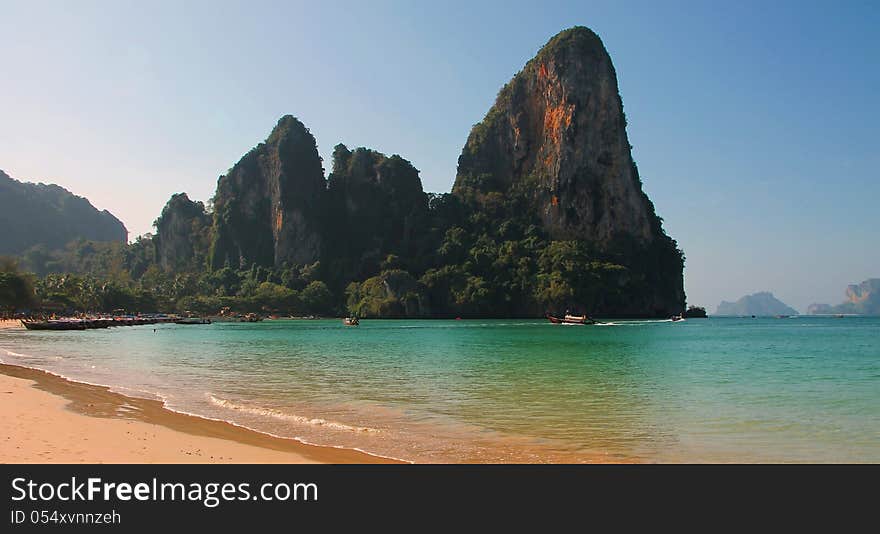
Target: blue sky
x=755 y=126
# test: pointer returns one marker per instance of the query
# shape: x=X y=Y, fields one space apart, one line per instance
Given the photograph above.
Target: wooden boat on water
x=56 y=324
x=193 y=320
x=226 y=316
x=572 y=319
x=351 y=321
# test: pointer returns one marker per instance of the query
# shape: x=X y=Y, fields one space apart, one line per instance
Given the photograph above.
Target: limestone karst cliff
x=183 y=233
x=557 y=133
x=547 y=212
x=556 y=136
x=266 y=206
x=375 y=206
x=861 y=299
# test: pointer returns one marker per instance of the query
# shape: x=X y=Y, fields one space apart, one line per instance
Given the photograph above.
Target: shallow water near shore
x=802 y=389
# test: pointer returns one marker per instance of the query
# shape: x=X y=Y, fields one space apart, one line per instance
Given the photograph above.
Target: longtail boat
x=572 y=319
x=193 y=320
x=91 y=323
x=56 y=324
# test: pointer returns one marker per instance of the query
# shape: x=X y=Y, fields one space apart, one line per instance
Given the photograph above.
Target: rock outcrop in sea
x=861 y=299
x=761 y=304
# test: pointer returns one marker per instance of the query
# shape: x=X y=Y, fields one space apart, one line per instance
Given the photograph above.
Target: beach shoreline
x=45 y=418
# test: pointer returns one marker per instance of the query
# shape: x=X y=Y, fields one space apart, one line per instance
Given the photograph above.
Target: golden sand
x=48 y=419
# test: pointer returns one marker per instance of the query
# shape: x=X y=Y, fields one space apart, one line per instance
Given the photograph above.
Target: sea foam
x=278 y=414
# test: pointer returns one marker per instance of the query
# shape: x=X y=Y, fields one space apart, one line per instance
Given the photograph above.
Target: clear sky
x=755 y=125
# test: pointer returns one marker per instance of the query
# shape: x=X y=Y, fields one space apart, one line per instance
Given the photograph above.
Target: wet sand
x=48 y=419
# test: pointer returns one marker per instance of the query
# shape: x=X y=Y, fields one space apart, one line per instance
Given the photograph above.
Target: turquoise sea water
x=702 y=390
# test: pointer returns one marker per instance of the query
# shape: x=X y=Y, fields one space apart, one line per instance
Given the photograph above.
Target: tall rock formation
x=861 y=299
x=375 y=207
x=556 y=136
x=865 y=297
x=558 y=130
x=547 y=212
x=182 y=234
x=267 y=206
x=51 y=216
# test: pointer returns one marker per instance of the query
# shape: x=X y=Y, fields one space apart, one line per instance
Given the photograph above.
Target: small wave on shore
x=29 y=357
x=633 y=323
x=278 y=414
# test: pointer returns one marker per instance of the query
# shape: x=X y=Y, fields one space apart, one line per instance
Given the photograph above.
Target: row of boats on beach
x=93 y=322
x=89 y=323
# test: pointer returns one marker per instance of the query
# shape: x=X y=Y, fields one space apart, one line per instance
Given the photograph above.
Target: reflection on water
x=802 y=389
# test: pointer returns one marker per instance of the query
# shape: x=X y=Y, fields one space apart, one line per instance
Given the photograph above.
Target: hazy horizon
x=754 y=126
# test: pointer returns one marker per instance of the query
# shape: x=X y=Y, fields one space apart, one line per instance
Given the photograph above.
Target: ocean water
x=802 y=389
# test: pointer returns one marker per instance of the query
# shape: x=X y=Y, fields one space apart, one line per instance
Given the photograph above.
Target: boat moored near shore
x=193 y=320
x=90 y=323
x=572 y=319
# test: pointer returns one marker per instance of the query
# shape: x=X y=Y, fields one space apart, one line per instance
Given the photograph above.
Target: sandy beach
x=48 y=419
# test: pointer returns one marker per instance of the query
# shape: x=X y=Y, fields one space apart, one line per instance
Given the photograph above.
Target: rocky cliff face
x=556 y=137
x=51 y=216
x=374 y=207
x=547 y=212
x=558 y=131
x=861 y=299
x=182 y=233
x=267 y=206
x=864 y=293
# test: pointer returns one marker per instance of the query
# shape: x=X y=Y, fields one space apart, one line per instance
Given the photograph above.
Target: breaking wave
x=278 y=414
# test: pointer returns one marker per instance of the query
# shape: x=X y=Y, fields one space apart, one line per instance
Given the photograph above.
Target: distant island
x=861 y=299
x=547 y=213
x=760 y=304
